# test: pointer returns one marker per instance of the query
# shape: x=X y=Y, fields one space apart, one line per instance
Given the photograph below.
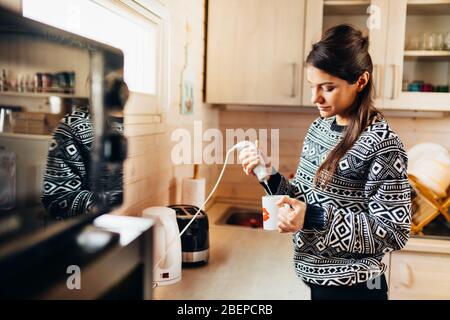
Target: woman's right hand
x=251 y=157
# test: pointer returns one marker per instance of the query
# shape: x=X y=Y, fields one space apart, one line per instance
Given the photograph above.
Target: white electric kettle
x=166 y=245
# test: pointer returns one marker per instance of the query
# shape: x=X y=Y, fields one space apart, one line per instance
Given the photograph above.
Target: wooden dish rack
x=427 y=206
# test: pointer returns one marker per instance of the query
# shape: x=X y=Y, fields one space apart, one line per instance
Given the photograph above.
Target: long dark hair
x=343 y=52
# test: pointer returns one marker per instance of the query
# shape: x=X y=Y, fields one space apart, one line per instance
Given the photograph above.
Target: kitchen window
x=138 y=28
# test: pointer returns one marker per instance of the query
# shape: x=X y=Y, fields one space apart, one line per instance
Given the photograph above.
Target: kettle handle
x=170 y=227
x=161 y=244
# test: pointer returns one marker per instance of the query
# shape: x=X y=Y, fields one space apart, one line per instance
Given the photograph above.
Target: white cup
x=270 y=211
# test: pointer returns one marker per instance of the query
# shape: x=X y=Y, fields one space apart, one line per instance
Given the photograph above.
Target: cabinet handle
x=378 y=81
x=406 y=280
x=294 y=80
x=394 y=78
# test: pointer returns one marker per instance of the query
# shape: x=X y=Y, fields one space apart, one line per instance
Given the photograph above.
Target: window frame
x=159 y=103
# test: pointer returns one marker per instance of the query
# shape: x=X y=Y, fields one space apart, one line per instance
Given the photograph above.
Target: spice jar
x=38 y=82
x=46 y=82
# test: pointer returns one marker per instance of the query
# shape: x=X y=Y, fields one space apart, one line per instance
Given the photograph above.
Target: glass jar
x=438 y=41
x=428 y=41
x=447 y=41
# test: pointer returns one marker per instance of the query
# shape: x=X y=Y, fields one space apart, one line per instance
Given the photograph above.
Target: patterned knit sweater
x=361 y=214
x=67 y=179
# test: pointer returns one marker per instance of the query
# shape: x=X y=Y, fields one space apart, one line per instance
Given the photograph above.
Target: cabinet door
x=417 y=59
x=370 y=17
x=313 y=33
x=377 y=23
x=417 y=275
x=255 y=51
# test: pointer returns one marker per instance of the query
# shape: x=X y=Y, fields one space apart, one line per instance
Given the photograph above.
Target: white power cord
x=236 y=146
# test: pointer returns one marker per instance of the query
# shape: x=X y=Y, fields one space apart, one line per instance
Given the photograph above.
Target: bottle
x=71 y=82
x=3 y=81
x=28 y=83
x=46 y=82
x=38 y=82
x=447 y=41
x=21 y=83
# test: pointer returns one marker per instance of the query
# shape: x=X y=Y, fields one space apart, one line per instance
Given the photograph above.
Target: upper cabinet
x=255 y=52
x=418 y=55
x=368 y=16
x=409 y=46
x=256 y=49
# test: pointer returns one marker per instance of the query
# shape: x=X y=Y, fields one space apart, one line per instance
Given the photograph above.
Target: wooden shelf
x=16 y=135
x=359 y=7
x=426 y=53
x=38 y=95
x=420 y=93
x=346 y=7
x=428 y=7
x=346 y=2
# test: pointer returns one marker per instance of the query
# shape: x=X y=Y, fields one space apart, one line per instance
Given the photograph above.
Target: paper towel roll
x=193 y=192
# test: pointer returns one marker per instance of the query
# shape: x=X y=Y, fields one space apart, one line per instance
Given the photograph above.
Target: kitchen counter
x=255 y=264
x=244 y=264
x=428 y=244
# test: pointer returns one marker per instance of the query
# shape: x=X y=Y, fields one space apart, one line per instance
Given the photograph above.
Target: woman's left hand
x=292 y=219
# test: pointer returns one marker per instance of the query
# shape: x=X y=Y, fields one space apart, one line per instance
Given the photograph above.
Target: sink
x=243 y=217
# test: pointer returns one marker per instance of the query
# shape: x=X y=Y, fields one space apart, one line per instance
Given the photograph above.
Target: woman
x=350 y=199
x=68 y=180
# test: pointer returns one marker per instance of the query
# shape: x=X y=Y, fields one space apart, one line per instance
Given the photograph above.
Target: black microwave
x=35 y=250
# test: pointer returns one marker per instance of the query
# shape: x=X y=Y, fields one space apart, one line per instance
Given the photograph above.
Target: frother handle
x=171 y=237
x=260 y=170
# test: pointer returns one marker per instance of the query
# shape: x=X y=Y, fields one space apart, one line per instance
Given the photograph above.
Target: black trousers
x=375 y=289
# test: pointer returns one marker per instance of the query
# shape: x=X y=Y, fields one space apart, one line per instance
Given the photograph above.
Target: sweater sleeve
x=67 y=186
x=280 y=185
x=66 y=191
x=385 y=225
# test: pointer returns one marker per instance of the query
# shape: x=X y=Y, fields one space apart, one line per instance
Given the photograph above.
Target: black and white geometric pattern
x=67 y=184
x=367 y=204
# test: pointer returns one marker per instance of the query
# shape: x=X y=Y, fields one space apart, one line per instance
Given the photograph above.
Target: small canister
x=414 y=87
x=442 y=88
x=426 y=87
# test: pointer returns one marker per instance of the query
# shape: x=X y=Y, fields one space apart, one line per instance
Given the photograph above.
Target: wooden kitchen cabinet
x=324 y=14
x=256 y=49
x=414 y=53
x=420 y=271
x=396 y=33
x=255 y=52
